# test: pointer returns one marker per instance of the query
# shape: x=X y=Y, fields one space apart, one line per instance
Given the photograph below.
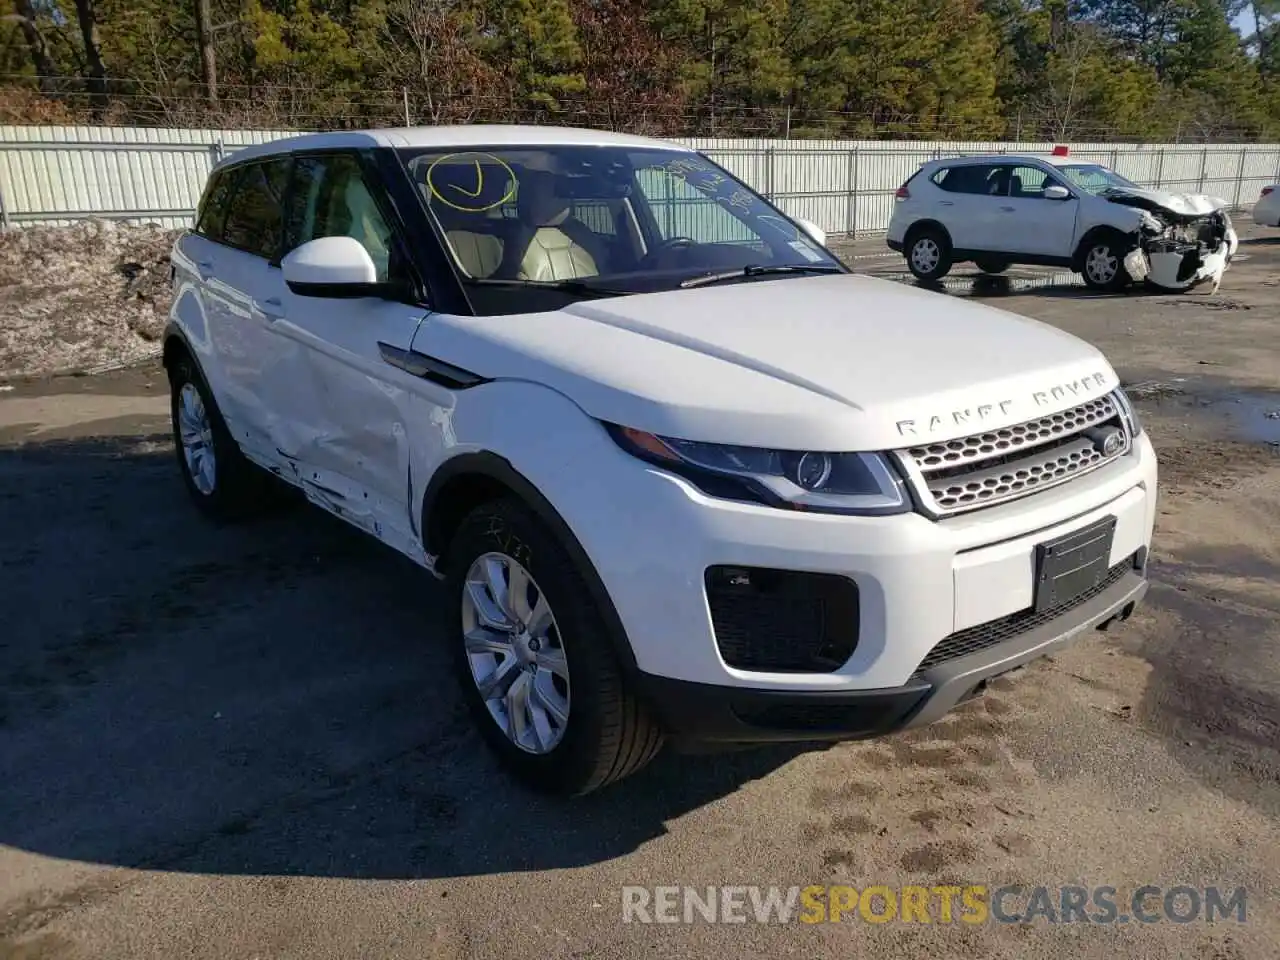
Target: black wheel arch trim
x=1092 y=236
x=497 y=468
x=174 y=333
x=920 y=226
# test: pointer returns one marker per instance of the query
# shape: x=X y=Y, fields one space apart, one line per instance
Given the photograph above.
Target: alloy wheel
x=196 y=433
x=515 y=653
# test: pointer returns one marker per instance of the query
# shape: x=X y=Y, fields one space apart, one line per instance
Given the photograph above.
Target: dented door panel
x=345 y=415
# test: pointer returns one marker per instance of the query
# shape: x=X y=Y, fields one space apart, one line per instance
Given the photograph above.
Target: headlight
x=859 y=483
x=1128 y=413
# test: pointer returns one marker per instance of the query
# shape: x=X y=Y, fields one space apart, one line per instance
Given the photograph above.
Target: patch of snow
x=86 y=297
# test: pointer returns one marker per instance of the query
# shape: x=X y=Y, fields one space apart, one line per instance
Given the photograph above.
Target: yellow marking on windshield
x=479 y=184
x=463 y=196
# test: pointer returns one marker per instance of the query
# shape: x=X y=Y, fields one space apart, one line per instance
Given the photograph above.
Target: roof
x=462 y=137
x=1007 y=157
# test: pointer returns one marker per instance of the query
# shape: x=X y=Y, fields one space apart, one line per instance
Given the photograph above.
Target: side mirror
x=331 y=267
x=1056 y=192
x=813 y=230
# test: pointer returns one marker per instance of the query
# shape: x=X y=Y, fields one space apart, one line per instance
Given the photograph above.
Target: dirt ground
x=234 y=743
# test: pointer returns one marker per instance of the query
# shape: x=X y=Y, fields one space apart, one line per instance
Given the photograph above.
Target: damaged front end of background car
x=1180 y=240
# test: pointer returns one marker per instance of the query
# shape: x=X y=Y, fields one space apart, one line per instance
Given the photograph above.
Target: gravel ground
x=234 y=742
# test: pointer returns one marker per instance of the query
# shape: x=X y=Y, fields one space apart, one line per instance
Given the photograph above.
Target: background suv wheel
x=928 y=253
x=1102 y=263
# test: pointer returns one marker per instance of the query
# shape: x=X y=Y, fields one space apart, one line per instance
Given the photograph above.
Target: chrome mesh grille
x=983 y=446
x=986 y=468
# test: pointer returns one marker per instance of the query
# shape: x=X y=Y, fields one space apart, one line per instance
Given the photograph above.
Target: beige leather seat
x=474 y=235
x=479 y=254
x=561 y=248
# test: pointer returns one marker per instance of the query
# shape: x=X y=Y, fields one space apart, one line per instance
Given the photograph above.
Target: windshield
x=613 y=218
x=1093 y=178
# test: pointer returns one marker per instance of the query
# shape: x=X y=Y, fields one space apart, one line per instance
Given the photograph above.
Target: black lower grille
x=781 y=619
x=984 y=635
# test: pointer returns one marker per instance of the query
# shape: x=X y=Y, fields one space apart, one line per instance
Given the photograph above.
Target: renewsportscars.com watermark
x=971 y=904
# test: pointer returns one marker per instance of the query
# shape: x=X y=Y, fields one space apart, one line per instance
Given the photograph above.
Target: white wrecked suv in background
x=1058 y=211
x=683 y=476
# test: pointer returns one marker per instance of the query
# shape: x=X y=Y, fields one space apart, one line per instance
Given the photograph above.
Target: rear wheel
x=929 y=254
x=1103 y=264
x=221 y=482
x=534 y=661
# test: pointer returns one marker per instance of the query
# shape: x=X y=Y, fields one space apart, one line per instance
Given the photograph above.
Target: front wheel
x=534 y=659
x=1103 y=266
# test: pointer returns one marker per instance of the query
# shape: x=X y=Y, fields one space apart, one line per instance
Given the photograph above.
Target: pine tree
x=534 y=44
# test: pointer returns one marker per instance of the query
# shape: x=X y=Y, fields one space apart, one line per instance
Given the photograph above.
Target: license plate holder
x=1072 y=564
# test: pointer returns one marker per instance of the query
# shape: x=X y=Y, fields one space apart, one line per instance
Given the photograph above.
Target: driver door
x=1031 y=223
x=345 y=410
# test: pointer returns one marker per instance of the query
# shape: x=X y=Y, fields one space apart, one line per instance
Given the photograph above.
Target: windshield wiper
x=582 y=288
x=756 y=270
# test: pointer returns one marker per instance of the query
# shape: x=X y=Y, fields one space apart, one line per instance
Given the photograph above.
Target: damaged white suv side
x=1058 y=211
x=684 y=476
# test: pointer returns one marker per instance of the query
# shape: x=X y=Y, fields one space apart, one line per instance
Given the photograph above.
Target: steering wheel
x=671 y=243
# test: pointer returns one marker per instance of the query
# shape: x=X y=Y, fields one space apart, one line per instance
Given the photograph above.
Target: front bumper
x=919 y=581
x=704 y=713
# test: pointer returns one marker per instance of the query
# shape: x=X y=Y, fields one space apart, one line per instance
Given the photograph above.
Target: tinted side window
x=977 y=178
x=255 y=217
x=213 y=206
x=331 y=197
x=1029 y=183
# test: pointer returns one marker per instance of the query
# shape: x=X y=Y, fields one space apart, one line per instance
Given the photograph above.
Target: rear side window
x=975 y=178
x=213 y=206
x=255 y=216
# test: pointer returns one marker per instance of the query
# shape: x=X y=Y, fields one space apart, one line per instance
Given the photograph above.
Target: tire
x=221 y=482
x=608 y=734
x=992 y=266
x=929 y=254
x=1096 y=253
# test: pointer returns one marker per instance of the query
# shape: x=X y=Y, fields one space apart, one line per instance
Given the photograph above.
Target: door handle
x=272 y=309
x=946 y=203
x=1008 y=209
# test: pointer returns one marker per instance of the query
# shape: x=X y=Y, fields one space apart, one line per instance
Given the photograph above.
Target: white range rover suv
x=683 y=475
x=1058 y=211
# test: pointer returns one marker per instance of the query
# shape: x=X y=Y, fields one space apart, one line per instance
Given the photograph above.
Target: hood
x=1179 y=204
x=830 y=363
